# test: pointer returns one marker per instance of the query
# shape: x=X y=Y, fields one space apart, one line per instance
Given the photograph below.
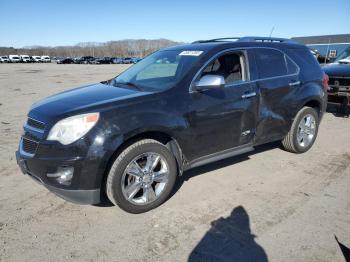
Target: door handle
x=296 y=83
x=248 y=95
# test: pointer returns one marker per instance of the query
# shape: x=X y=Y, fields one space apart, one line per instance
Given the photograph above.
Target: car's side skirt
x=219 y=156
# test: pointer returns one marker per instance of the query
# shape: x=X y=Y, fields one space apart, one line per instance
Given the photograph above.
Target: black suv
x=181 y=107
x=84 y=60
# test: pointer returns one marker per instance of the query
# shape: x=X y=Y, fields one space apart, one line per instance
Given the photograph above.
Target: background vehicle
x=25 y=59
x=65 y=61
x=36 y=59
x=94 y=60
x=117 y=60
x=135 y=60
x=320 y=58
x=84 y=60
x=344 y=60
x=103 y=60
x=179 y=108
x=339 y=83
x=127 y=60
x=4 y=59
x=14 y=58
x=45 y=59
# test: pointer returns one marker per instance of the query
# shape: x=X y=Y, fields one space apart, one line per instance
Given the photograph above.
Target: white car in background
x=14 y=58
x=4 y=59
x=344 y=60
x=45 y=59
x=25 y=58
x=36 y=58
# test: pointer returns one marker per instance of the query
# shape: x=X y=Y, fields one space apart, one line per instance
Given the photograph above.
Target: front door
x=223 y=118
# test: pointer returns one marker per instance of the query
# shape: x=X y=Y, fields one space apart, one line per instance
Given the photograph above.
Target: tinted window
x=273 y=63
x=309 y=67
x=291 y=66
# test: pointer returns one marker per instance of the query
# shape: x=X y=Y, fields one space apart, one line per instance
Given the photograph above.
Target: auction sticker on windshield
x=191 y=53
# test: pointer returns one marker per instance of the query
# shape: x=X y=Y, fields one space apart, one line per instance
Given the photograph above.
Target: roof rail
x=216 y=40
x=249 y=39
x=266 y=39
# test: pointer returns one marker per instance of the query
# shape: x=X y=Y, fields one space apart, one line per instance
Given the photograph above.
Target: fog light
x=63 y=175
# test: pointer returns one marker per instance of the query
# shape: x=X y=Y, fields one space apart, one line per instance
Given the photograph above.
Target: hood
x=344 y=61
x=78 y=99
x=337 y=70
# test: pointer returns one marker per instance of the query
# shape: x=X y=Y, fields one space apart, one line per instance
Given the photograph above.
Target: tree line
x=120 y=48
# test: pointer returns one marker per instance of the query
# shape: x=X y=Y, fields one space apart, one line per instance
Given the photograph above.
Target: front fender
x=118 y=128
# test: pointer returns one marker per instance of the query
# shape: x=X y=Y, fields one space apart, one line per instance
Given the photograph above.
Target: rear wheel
x=303 y=132
x=142 y=177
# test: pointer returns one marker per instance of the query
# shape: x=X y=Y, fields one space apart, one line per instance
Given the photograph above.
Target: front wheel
x=142 y=177
x=303 y=132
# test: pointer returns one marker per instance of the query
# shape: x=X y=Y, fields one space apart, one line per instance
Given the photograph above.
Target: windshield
x=343 y=55
x=159 y=71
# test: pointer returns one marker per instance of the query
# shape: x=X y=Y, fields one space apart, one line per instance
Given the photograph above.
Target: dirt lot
x=267 y=205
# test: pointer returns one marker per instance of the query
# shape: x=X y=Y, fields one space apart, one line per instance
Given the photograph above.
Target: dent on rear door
x=274 y=110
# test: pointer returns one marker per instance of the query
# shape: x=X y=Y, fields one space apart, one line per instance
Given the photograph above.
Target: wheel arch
x=163 y=137
x=315 y=104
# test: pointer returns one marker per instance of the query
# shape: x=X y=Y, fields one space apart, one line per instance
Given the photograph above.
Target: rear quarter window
x=309 y=67
x=273 y=63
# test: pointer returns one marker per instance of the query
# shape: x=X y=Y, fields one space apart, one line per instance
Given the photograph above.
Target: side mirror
x=209 y=82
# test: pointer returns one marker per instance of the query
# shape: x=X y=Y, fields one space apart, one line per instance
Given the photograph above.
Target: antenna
x=273 y=28
x=329 y=42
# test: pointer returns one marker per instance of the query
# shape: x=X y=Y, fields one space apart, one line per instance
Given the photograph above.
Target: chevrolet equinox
x=182 y=107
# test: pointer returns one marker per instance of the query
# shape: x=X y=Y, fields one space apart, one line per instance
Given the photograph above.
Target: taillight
x=325 y=82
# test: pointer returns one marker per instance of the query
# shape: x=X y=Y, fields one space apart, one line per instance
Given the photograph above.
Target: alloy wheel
x=145 y=178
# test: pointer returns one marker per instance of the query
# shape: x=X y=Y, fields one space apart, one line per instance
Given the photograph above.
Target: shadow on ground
x=338 y=110
x=229 y=239
x=221 y=164
x=205 y=169
x=344 y=249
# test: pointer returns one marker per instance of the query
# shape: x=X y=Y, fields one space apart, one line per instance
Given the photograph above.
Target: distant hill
x=118 y=48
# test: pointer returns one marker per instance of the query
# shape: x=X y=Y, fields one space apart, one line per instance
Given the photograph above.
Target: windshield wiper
x=129 y=84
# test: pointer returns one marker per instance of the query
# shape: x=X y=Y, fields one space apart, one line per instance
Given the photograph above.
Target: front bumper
x=82 y=190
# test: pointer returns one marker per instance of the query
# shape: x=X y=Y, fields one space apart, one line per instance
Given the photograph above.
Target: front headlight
x=70 y=129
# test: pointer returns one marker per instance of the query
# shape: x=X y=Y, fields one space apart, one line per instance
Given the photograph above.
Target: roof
x=226 y=43
x=323 y=39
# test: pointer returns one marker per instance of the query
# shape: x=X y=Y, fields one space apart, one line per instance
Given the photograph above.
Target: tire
x=120 y=180
x=298 y=141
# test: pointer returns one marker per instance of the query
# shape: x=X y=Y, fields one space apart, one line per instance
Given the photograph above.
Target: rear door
x=278 y=82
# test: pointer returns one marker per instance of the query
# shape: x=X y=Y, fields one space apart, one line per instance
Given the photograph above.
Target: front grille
x=35 y=123
x=29 y=146
x=339 y=81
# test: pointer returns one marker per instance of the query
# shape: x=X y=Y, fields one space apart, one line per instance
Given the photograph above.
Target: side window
x=230 y=66
x=273 y=63
x=291 y=66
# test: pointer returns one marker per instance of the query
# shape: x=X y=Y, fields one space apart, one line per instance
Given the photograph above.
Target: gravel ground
x=266 y=205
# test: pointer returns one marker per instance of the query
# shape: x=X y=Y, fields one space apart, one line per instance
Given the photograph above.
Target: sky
x=68 y=22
